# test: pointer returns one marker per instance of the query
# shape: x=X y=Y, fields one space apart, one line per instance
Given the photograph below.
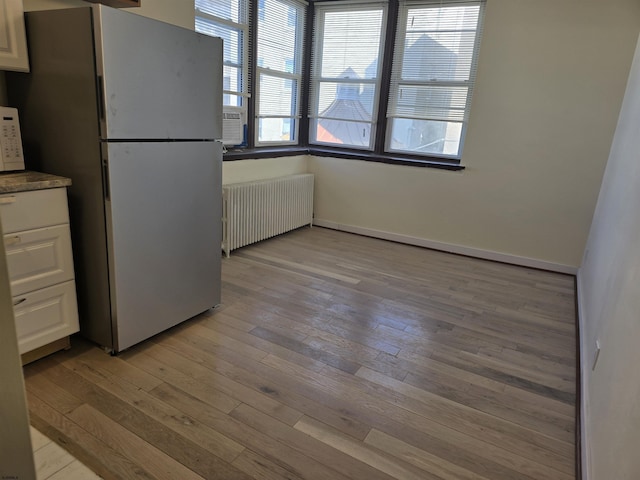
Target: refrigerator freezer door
x=163 y=217
x=157 y=81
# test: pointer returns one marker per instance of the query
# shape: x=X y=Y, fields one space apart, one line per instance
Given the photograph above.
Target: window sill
x=428 y=162
x=265 y=152
x=257 y=153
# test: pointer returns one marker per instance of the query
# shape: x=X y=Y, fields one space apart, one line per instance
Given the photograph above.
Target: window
x=432 y=77
x=229 y=19
x=345 y=76
x=280 y=35
x=383 y=80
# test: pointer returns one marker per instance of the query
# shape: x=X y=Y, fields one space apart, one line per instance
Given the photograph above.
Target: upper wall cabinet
x=13 y=42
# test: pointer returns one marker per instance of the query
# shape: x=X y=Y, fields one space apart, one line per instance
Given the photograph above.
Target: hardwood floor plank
x=102 y=459
x=338 y=459
x=264 y=345
x=280 y=387
x=209 y=439
x=114 y=367
x=268 y=314
x=229 y=387
x=154 y=433
x=418 y=457
x=261 y=467
x=285 y=455
x=522 y=441
x=133 y=447
x=370 y=456
x=59 y=398
x=473 y=375
x=378 y=411
x=303 y=349
x=474 y=364
x=523 y=412
x=295 y=266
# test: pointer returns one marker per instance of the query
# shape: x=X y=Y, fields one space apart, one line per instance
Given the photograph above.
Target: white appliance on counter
x=11 y=156
x=130 y=109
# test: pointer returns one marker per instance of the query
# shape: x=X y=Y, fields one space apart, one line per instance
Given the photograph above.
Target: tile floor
x=55 y=463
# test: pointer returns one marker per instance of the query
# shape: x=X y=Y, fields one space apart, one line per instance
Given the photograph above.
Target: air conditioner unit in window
x=232 y=125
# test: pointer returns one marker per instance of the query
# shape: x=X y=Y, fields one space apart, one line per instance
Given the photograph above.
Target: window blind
x=433 y=73
x=280 y=39
x=345 y=73
x=228 y=19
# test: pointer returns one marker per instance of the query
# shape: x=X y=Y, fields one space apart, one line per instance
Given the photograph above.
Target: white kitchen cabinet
x=40 y=263
x=13 y=41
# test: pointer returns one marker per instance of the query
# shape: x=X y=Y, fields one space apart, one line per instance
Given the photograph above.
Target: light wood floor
x=333 y=356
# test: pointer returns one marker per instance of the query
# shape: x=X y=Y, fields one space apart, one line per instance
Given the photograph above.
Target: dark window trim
x=233 y=154
x=270 y=152
x=253 y=77
x=385 y=77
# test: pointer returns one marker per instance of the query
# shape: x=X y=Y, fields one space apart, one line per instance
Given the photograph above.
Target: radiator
x=254 y=211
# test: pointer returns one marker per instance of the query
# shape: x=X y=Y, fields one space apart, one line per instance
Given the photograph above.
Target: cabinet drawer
x=45 y=315
x=35 y=209
x=38 y=258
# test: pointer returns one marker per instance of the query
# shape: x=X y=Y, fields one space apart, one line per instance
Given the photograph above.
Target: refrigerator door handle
x=105 y=178
x=101 y=105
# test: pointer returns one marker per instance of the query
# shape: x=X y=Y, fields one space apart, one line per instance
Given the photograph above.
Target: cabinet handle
x=18 y=302
x=7 y=200
x=12 y=240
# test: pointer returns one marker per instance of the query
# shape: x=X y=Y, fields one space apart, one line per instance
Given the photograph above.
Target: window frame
x=313 y=92
x=245 y=28
x=399 y=50
x=296 y=77
x=379 y=152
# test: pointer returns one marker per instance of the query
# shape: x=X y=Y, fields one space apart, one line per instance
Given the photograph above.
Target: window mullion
x=253 y=77
x=385 y=80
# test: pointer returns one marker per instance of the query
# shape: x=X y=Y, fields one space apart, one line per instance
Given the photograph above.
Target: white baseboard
x=585 y=452
x=451 y=248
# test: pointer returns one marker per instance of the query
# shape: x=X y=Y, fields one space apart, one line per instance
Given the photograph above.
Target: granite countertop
x=23 y=181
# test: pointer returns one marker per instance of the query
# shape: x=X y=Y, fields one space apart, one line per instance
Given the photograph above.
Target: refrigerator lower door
x=164 y=228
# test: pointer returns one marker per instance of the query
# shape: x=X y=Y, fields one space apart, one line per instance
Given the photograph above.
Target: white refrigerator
x=130 y=109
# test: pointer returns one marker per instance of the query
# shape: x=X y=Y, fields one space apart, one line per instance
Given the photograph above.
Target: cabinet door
x=35 y=209
x=45 y=315
x=13 y=42
x=38 y=258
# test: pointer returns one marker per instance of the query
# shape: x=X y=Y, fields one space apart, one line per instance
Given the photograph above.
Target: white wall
x=248 y=170
x=610 y=306
x=550 y=82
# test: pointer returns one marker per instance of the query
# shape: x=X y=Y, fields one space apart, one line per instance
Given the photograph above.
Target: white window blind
x=345 y=76
x=433 y=74
x=280 y=36
x=228 y=19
